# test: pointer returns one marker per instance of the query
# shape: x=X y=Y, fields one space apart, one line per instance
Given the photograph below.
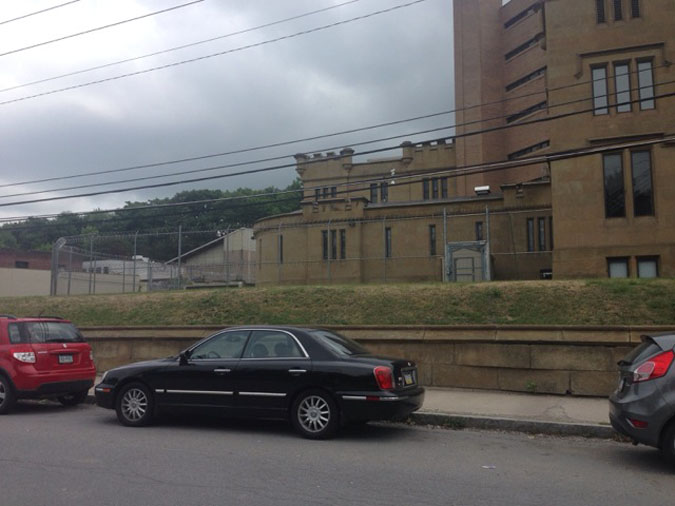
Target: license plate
x=65 y=359
x=408 y=378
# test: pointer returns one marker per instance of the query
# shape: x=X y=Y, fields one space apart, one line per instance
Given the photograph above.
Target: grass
x=593 y=302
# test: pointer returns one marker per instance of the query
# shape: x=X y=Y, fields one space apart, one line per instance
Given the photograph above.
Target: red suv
x=43 y=357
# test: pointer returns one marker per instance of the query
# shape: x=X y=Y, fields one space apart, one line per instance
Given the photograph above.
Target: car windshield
x=339 y=344
x=50 y=332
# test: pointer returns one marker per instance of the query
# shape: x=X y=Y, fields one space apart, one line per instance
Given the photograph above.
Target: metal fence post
x=180 y=253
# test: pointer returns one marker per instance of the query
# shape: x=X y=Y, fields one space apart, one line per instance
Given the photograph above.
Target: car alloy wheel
x=315 y=415
x=6 y=396
x=134 y=405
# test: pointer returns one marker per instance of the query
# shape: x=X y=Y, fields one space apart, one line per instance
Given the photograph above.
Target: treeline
x=216 y=217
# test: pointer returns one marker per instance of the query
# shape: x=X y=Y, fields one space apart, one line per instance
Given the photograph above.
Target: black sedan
x=316 y=378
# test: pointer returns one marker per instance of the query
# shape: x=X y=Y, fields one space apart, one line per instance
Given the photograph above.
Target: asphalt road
x=55 y=456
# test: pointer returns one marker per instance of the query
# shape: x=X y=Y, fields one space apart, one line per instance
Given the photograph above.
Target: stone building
x=532 y=78
x=563 y=75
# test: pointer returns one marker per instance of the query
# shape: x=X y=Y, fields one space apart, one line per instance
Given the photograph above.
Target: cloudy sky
x=387 y=67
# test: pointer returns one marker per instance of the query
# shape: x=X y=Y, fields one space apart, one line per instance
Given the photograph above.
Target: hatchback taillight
x=653 y=368
x=27 y=357
x=384 y=377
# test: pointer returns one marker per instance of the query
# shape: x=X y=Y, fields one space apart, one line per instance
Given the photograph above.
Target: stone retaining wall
x=537 y=359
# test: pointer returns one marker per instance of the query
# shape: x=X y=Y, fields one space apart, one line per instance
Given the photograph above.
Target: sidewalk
x=532 y=413
x=492 y=410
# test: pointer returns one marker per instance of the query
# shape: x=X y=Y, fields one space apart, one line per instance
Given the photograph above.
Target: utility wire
x=402 y=180
x=317 y=137
x=38 y=12
x=213 y=55
x=40 y=44
x=411 y=178
x=177 y=48
x=284 y=166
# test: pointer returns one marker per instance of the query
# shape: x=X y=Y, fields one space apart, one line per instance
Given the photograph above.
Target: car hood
x=146 y=364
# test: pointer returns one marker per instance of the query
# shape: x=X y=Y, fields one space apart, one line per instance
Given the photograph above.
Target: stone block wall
x=535 y=359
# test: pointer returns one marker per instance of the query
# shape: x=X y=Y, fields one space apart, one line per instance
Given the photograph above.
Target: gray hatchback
x=643 y=405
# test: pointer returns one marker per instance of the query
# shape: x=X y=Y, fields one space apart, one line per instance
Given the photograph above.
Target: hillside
x=596 y=302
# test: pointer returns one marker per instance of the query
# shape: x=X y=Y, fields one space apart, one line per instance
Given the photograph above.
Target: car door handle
x=222 y=371
x=297 y=371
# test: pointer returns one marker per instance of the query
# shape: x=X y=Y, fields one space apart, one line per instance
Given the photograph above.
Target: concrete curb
x=452 y=421
x=511 y=424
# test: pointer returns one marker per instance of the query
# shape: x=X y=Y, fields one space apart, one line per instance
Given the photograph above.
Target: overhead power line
x=284 y=166
x=118 y=23
x=316 y=137
x=38 y=12
x=213 y=55
x=411 y=178
x=177 y=48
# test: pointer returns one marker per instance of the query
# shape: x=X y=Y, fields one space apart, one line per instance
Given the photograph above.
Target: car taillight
x=384 y=377
x=653 y=368
x=27 y=357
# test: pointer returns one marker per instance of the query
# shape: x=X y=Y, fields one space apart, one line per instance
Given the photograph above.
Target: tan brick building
x=532 y=77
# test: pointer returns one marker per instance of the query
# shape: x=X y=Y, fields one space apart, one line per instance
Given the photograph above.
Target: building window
x=635 y=8
x=444 y=187
x=317 y=194
x=530 y=234
x=600 y=101
x=529 y=149
x=106 y=270
x=648 y=267
x=21 y=264
x=526 y=79
x=333 y=191
x=646 y=84
x=622 y=87
x=617 y=267
x=324 y=244
x=281 y=249
x=550 y=231
x=524 y=47
x=434 y=188
x=432 y=240
x=526 y=112
x=479 y=230
x=618 y=11
x=541 y=224
x=333 y=244
x=325 y=193
x=615 y=201
x=384 y=192
x=522 y=15
x=425 y=189
x=373 y=193
x=643 y=197
x=387 y=242
x=343 y=244
x=600 y=7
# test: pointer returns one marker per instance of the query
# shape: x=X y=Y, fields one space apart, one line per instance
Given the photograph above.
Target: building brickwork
x=532 y=77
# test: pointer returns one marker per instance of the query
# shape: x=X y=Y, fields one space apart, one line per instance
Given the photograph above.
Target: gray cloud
x=380 y=69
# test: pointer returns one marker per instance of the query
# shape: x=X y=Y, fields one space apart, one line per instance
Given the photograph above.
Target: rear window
x=44 y=332
x=339 y=344
x=642 y=352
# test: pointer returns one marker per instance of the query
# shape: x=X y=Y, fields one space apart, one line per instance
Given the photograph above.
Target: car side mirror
x=184 y=357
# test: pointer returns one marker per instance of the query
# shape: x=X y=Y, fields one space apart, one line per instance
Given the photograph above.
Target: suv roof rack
x=10 y=316
x=46 y=317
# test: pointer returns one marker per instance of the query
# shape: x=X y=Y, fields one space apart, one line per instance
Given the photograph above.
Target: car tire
x=314 y=415
x=134 y=405
x=74 y=398
x=667 y=447
x=7 y=398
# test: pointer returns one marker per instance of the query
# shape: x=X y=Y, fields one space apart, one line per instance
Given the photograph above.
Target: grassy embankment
x=594 y=302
